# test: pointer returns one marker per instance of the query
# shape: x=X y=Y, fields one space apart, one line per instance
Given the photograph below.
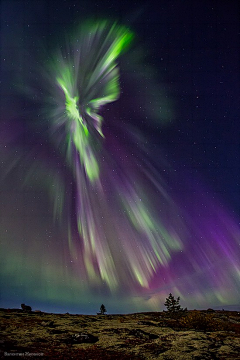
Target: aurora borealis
x=135 y=243
x=115 y=183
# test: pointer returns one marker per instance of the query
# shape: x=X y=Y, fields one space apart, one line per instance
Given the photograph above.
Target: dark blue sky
x=183 y=92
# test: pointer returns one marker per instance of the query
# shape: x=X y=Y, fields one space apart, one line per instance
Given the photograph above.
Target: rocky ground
x=197 y=335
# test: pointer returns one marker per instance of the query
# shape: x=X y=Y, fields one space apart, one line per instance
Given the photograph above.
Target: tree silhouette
x=173 y=306
x=102 y=309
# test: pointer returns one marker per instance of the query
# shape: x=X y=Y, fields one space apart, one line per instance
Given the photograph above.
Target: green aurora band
x=105 y=71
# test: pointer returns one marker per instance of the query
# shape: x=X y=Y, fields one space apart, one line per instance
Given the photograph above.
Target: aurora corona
x=134 y=243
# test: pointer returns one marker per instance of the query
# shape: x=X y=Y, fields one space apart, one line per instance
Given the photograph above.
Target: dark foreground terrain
x=197 y=335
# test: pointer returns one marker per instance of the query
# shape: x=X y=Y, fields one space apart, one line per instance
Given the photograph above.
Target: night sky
x=145 y=203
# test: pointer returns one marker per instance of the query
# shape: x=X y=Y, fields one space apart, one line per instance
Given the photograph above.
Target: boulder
x=142 y=334
x=81 y=338
x=48 y=323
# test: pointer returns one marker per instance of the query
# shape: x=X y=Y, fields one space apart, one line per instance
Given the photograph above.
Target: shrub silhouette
x=26 y=308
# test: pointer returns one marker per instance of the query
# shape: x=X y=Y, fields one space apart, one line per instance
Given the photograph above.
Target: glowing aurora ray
x=79 y=134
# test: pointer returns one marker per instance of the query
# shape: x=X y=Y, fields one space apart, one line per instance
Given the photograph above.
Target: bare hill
x=196 y=335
